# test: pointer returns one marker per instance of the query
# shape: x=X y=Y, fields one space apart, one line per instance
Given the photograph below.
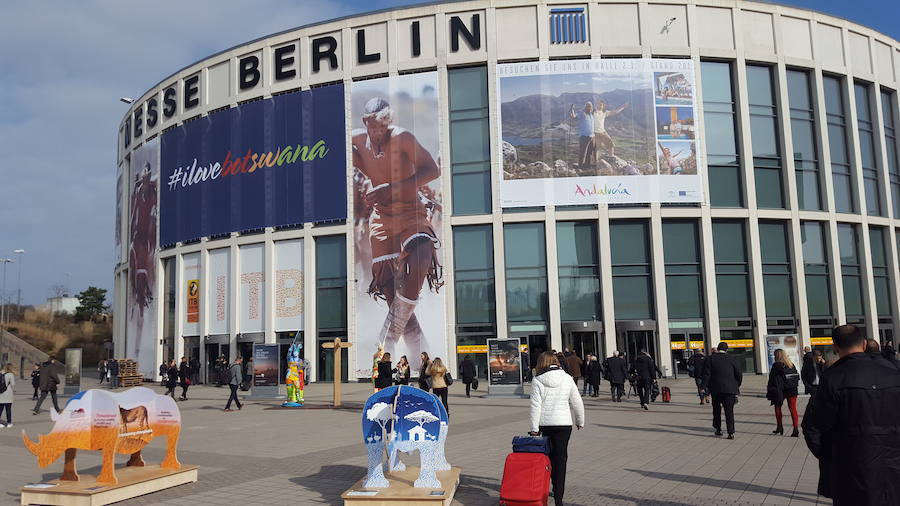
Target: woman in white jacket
x=6 y=398
x=553 y=393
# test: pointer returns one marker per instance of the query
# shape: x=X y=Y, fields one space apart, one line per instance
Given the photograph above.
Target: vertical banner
x=790 y=343
x=190 y=276
x=615 y=130
x=73 y=371
x=397 y=208
x=141 y=334
x=253 y=294
x=217 y=291
x=266 y=371
x=504 y=362
x=120 y=194
x=289 y=285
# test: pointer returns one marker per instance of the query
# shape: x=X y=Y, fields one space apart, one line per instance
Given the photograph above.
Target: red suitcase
x=666 y=394
x=526 y=480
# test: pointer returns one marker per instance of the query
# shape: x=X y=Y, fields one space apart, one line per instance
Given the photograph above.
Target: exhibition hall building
x=593 y=176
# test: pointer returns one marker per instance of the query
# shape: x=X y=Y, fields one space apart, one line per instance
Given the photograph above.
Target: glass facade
x=732 y=269
x=866 y=130
x=684 y=284
x=331 y=282
x=473 y=264
x=776 y=266
x=851 y=270
x=631 y=269
x=764 y=138
x=726 y=187
x=579 y=270
x=816 y=268
x=880 y=271
x=803 y=136
x=888 y=108
x=841 y=176
x=470 y=140
x=525 y=251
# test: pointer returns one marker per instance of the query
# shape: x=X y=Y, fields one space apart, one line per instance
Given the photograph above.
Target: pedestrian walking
x=184 y=377
x=695 y=370
x=48 y=382
x=113 y=368
x=35 y=380
x=438 y=374
x=402 y=372
x=467 y=373
x=574 y=365
x=811 y=372
x=423 y=378
x=163 y=371
x=101 y=370
x=554 y=396
x=171 y=378
x=722 y=378
x=852 y=425
x=234 y=382
x=7 y=384
x=645 y=369
x=783 y=386
x=592 y=374
x=617 y=372
x=385 y=372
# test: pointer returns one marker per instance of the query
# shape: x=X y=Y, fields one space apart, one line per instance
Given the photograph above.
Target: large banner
x=598 y=131
x=252 y=303
x=217 y=291
x=504 y=362
x=191 y=278
x=267 y=163
x=140 y=331
x=289 y=285
x=397 y=213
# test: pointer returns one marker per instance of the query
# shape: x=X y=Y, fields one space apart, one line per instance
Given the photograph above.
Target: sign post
x=73 y=371
x=504 y=368
x=336 y=346
x=266 y=372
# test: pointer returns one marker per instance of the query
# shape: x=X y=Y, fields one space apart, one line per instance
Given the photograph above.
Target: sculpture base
x=401 y=491
x=133 y=482
x=292 y=405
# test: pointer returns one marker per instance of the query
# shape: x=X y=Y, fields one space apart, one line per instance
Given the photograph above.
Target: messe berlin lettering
x=191 y=174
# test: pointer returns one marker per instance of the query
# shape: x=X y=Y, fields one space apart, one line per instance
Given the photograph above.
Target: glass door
x=631 y=342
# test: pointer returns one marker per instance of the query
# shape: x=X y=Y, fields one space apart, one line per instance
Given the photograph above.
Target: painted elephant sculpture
x=404 y=419
x=110 y=422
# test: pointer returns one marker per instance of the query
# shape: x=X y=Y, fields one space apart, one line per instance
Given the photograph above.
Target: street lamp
x=19 y=284
x=4 y=261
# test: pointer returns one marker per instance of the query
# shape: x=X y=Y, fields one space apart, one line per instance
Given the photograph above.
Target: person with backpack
x=36 y=380
x=783 y=385
x=695 y=370
x=554 y=395
x=7 y=382
x=49 y=381
x=234 y=381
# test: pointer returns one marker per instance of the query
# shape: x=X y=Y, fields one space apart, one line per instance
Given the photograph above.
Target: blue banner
x=274 y=162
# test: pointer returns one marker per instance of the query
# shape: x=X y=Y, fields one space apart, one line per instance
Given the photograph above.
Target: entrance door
x=325 y=363
x=683 y=345
x=213 y=352
x=537 y=344
x=631 y=342
x=582 y=343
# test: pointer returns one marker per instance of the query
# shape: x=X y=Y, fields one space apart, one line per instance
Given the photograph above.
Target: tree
x=421 y=417
x=91 y=304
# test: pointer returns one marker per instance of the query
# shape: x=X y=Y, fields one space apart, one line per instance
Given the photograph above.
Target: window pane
x=803 y=136
x=813 y=243
x=882 y=296
x=716 y=81
x=725 y=187
x=759 y=85
x=834 y=102
x=808 y=190
x=526 y=273
x=683 y=294
x=768 y=188
x=629 y=242
x=468 y=88
x=680 y=242
x=472 y=193
x=773 y=242
x=526 y=299
x=473 y=248
x=579 y=298
x=576 y=243
x=853 y=302
x=470 y=146
x=843 y=198
x=818 y=296
x=720 y=138
x=798 y=89
x=779 y=301
x=331 y=282
x=847 y=243
x=524 y=245
x=470 y=141
x=633 y=297
x=733 y=294
x=728 y=242
x=764 y=136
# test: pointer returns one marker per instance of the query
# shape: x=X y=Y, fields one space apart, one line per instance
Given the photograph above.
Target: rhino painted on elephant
x=404 y=419
x=111 y=422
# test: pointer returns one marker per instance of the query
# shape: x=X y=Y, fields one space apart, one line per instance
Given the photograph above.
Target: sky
x=65 y=65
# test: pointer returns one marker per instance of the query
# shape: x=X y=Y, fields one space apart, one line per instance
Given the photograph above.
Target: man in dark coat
x=48 y=382
x=467 y=373
x=574 y=365
x=617 y=374
x=592 y=373
x=722 y=378
x=853 y=424
x=113 y=367
x=696 y=365
x=646 y=370
x=811 y=372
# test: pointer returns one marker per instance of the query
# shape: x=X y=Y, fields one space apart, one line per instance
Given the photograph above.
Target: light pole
x=19 y=284
x=4 y=261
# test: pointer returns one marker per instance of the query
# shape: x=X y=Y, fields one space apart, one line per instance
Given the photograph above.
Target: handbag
x=448 y=379
x=531 y=444
x=475 y=383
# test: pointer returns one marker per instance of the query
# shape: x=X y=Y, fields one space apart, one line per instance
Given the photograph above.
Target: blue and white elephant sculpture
x=404 y=419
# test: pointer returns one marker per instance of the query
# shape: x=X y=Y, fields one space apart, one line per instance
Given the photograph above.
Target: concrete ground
x=267 y=455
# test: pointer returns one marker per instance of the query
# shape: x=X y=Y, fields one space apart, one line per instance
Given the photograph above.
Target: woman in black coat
x=383 y=380
x=593 y=372
x=467 y=373
x=171 y=378
x=402 y=371
x=184 y=377
x=783 y=382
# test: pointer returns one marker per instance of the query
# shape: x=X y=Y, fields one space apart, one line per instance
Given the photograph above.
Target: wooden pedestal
x=133 y=482
x=401 y=492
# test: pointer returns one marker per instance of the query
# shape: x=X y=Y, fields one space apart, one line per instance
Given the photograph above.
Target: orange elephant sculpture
x=110 y=422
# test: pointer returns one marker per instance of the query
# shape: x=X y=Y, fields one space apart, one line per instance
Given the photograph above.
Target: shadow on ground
x=726 y=484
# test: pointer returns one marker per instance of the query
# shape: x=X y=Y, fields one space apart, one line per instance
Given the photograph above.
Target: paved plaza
x=268 y=455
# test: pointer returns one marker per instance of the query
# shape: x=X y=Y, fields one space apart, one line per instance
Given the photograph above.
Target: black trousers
x=233 y=397
x=718 y=402
x=37 y=407
x=184 y=391
x=35 y=395
x=170 y=391
x=442 y=393
x=559 y=453
x=8 y=407
x=643 y=391
x=812 y=389
x=617 y=390
x=468 y=387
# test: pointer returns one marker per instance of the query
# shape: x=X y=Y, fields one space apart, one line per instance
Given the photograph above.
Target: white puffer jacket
x=552 y=394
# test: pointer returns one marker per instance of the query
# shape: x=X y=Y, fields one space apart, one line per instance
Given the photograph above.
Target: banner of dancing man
x=397 y=213
x=598 y=131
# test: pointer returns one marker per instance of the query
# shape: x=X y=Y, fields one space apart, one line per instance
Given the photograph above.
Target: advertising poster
x=120 y=194
x=252 y=303
x=397 y=215
x=289 y=285
x=191 y=275
x=73 y=371
x=262 y=164
x=790 y=343
x=598 y=131
x=265 y=365
x=504 y=362
x=217 y=298
x=142 y=297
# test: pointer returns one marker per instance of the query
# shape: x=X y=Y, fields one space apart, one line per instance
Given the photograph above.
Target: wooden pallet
x=131 y=380
x=127 y=367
